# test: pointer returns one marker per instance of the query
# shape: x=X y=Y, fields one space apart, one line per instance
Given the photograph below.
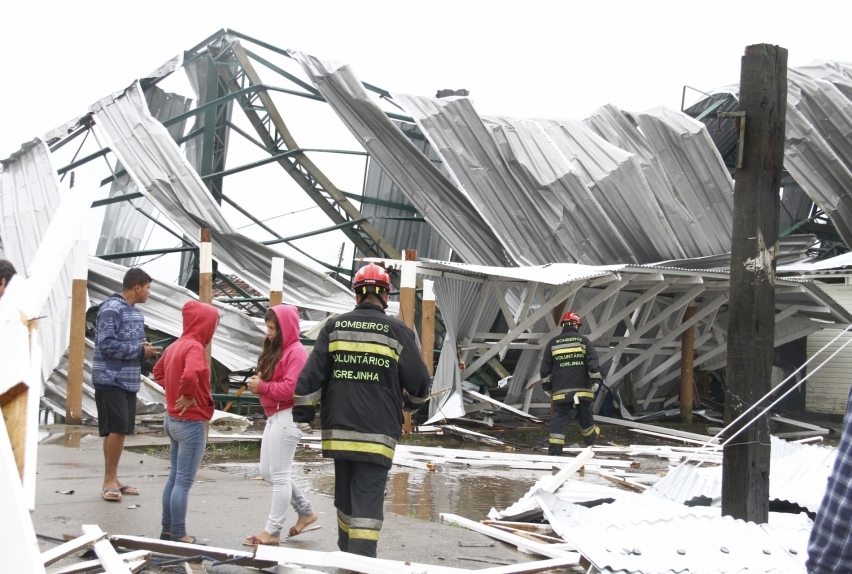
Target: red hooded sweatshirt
x=183 y=369
x=277 y=394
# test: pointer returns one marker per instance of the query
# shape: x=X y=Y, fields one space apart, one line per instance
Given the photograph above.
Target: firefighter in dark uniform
x=363 y=368
x=570 y=375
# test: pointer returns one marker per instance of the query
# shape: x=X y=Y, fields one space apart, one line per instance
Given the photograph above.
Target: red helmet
x=371 y=276
x=571 y=317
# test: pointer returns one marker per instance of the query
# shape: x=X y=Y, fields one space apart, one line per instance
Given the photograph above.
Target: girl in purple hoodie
x=278 y=368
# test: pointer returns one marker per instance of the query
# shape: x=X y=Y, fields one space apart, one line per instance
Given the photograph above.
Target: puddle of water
x=416 y=493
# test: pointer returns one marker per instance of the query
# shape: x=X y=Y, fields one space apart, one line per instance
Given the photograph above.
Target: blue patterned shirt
x=830 y=546
x=118 y=346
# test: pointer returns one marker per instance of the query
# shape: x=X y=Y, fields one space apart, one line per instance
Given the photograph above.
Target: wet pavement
x=227 y=503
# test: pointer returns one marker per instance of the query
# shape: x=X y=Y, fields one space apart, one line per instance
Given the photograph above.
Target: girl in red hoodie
x=184 y=373
x=278 y=369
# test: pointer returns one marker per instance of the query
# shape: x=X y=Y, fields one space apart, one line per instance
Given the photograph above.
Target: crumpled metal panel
x=688 y=544
x=163 y=174
x=464 y=142
x=696 y=173
x=798 y=473
x=29 y=196
x=791 y=250
x=421 y=236
x=124 y=226
x=459 y=301
x=237 y=341
x=430 y=191
x=818 y=152
x=561 y=190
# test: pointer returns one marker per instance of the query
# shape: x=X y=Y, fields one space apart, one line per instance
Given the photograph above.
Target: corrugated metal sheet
x=29 y=197
x=568 y=194
x=124 y=226
x=818 y=151
x=827 y=390
x=688 y=544
x=163 y=174
x=406 y=234
x=238 y=338
x=798 y=473
x=430 y=191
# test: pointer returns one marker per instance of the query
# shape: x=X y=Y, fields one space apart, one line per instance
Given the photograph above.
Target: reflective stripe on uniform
x=556 y=439
x=362 y=442
x=369 y=523
x=363 y=534
x=343 y=516
x=558 y=397
x=362 y=342
x=311 y=399
x=585 y=394
x=587 y=432
x=374 y=348
x=342 y=525
x=565 y=351
x=576 y=343
x=594 y=375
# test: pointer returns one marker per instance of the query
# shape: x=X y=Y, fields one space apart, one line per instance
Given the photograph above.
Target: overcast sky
x=524 y=59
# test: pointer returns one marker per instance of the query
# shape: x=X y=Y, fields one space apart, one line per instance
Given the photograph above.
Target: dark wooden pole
x=205 y=280
x=687 y=356
x=751 y=323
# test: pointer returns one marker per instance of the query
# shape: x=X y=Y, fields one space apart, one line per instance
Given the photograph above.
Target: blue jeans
x=188 y=441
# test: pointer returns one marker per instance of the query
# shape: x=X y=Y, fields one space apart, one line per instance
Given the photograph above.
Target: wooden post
x=276 y=282
x=427 y=326
x=77 y=342
x=205 y=279
x=751 y=308
x=687 y=355
x=408 y=288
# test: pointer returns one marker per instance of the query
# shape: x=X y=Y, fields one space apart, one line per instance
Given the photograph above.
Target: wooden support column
x=276 y=282
x=408 y=288
x=205 y=279
x=687 y=355
x=427 y=326
x=77 y=341
x=763 y=98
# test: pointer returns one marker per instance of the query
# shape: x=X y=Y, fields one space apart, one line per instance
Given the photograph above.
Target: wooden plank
x=77 y=341
x=625 y=482
x=184 y=549
x=503 y=406
x=57 y=553
x=15 y=416
x=110 y=560
x=427 y=326
x=136 y=557
x=528 y=526
x=513 y=539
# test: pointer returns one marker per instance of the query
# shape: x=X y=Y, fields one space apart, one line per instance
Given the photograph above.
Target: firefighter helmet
x=371 y=279
x=571 y=317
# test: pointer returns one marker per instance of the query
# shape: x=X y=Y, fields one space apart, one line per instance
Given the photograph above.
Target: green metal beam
x=712 y=108
x=83 y=160
x=241 y=299
x=377 y=201
x=282 y=72
x=239 y=290
x=336 y=227
x=144 y=252
x=117 y=199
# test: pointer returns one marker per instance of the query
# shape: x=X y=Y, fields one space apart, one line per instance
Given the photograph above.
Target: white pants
x=280 y=438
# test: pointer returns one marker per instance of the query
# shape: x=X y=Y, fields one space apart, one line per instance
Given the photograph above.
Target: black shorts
x=116 y=411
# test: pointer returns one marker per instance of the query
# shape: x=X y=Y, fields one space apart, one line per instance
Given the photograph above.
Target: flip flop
x=255 y=541
x=307 y=528
x=131 y=490
x=193 y=541
x=111 y=494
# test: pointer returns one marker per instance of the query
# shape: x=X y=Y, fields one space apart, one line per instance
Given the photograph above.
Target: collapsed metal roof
x=634 y=315
x=817 y=153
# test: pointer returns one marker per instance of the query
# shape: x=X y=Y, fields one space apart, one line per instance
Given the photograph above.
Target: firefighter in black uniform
x=363 y=368
x=570 y=375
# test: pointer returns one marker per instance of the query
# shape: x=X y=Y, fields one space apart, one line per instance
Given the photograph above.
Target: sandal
x=256 y=541
x=293 y=532
x=193 y=541
x=132 y=490
x=111 y=494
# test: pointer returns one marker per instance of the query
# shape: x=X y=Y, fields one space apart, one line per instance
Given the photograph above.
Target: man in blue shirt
x=829 y=548
x=120 y=347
